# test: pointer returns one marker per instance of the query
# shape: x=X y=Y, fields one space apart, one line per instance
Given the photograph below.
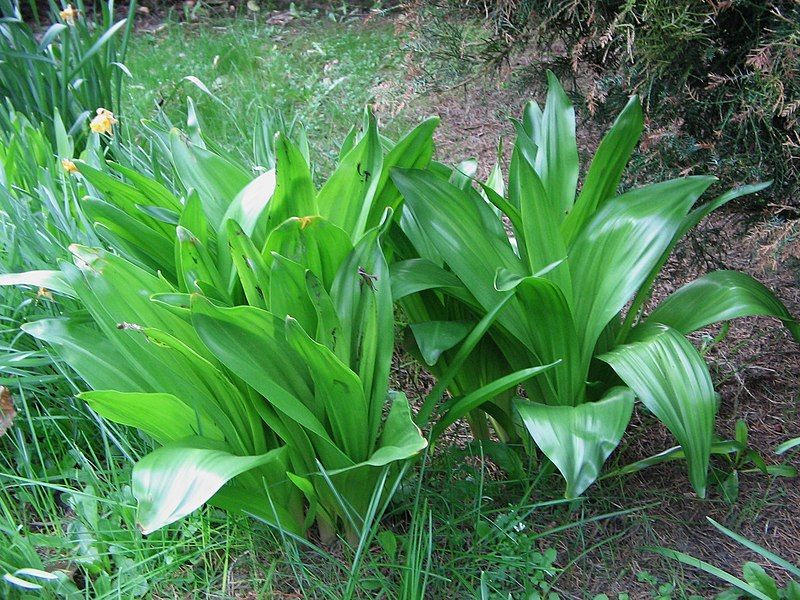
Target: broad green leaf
x=719 y=296
x=249 y=207
x=88 y=353
x=131 y=237
x=117 y=295
x=756 y=576
x=295 y=195
x=539 y=220
x=413 y=151
x=557 y=158
x=214 y=394
x=288 y=293
x=578 y=439
x=495 y=180
x=196 y=264
x=435 y=337
x=400 y=439
x=194 y=219
x=473 y=400
x=252 y=344
x=268 y=506
x=670 y=378
x=459 y=360
x=249 y=264
x=615 y=251
x=180 y=477
x=418 y=274
x=49 y=280
x=607 y=167
x=362 y=295
x=327 y=319
x=688 y=222
x=216 y=179
x=153 y=189
x=313 y=242
x=532 y=121
x=122 y=195
x=463 y=173
x=337 y=390
x=346 y=198
x=526 y=148
x=544 y=324
x=459 y=222
x=163 y=416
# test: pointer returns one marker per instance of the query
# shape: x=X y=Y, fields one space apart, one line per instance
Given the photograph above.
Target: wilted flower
x=69 y=14
x=103 y=122
x=68 y=165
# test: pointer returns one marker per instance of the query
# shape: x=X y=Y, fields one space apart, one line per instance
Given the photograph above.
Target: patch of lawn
x=316 y=71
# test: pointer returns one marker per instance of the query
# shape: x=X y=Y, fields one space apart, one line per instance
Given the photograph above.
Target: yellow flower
x=69 y=14
x=44 y=293
x=68 y=165
x=103 y=121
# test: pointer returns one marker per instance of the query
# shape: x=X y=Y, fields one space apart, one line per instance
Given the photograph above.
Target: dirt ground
x=756 y=369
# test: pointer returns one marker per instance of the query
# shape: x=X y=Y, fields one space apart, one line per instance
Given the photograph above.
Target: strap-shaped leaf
x=607 y=167
x=250 y=266
x=362 y=295
x=288 y=292
x=546 y=327
x=249 y=210
x=346 y=198
x=615 y=251
x=49 y=280
x=88 y=352
x=435 y=337
x=163 y=416
x=155 y=191
x=689 y=221
x=216 y=179
x=131 y=237
x=557 y=158
x=400 y=439
x=413 y=151
x=671 y=379
x=195 y=264
x=539 y=217
x=458 y=223
x=473 y=400
x=720 y=296
x=578 y=439
x=252 y=344
x=178 y=478
x=295 y=195
x=338 y=392
x=419 y=274
x=313 y=242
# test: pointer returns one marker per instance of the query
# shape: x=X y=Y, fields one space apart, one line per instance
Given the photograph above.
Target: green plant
x=75 y=68
x=246 y=329
x=756 y=583
x=557 y=290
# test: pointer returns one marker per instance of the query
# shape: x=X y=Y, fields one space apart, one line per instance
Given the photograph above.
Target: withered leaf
x=7 y=412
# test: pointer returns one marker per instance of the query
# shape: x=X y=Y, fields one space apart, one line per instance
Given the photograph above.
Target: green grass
x=314 y=70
